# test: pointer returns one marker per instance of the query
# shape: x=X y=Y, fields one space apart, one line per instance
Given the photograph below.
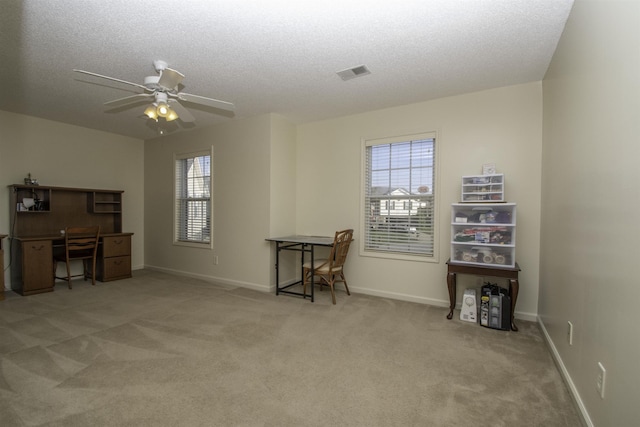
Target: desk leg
x=312 y=270
x=451 y=284
x=277 y=265
x=514 y=288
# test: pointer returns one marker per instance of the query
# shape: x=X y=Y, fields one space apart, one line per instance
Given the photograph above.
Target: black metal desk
x=302 y=244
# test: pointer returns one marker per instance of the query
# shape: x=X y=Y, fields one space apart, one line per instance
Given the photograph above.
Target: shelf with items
x=483 y=188
x=30 y=198
x=60 y=207
x=104 y=202
x=483 y=234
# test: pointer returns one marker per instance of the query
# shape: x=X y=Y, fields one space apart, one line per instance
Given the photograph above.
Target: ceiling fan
x=164 y=94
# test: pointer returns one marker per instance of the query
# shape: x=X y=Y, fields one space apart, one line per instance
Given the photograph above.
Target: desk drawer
x=115 y=246
x=114 y=268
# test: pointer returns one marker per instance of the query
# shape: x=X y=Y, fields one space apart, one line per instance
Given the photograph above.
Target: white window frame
x=179 y=200
x=365 y=218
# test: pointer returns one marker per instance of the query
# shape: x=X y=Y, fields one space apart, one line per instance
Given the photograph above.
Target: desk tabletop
x=61 y=236
x=307 y=240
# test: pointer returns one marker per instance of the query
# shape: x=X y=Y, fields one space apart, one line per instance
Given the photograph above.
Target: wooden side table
x=510 y=273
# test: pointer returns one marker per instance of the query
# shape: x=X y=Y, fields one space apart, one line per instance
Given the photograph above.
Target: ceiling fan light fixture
x=171 y=115
x=151 y=112
x=163 y=109
x=159 y=88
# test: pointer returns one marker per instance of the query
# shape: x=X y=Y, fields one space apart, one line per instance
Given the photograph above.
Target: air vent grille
x=352 y=73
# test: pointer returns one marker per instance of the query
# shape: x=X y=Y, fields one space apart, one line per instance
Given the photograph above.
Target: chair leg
x=307 y=279
x=333 y=292
x=345 y=283
x=89 y=273
x=93 y=272
x=69 y=274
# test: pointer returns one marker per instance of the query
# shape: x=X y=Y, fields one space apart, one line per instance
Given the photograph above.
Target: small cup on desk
x=62 y=232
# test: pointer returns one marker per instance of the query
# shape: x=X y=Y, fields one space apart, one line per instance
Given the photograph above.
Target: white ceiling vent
x=352 y=73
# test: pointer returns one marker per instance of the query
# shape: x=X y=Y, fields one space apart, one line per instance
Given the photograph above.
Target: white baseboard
x=217 y=280
x=531 y=317
x=399 y=296
x=565 y=376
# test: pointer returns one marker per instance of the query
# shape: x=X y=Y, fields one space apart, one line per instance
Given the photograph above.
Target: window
x=193 y=199
x=398 y=199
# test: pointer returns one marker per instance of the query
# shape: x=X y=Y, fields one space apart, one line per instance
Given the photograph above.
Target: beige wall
x=282 y=177
x=273 y=178
x=283 y=193
x=70 y=156
x=242 y=190
x=502 y=126
x=590 y=204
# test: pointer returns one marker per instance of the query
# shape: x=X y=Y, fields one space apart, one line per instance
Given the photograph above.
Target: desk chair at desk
x=80 y=243
x=330 y=270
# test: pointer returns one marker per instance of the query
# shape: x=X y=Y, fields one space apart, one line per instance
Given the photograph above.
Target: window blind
x=399 y=195
x=193 y=198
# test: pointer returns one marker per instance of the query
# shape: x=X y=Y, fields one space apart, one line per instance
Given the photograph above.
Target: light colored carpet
x=163 y=350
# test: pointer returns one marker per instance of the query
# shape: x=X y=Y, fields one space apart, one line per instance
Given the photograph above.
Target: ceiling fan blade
x=209 y=102
x=127 y=100
x=146 y=89
x=170 y=79
x=181 y=111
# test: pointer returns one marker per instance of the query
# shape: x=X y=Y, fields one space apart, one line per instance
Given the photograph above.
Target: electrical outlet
x=570 y=333
x=215 y=260
x=601 y=380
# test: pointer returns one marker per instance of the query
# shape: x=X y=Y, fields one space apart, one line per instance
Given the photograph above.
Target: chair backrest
x=340 y=248
x=81 y=241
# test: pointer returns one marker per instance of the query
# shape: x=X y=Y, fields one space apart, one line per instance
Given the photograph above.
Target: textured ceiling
x=266 y=56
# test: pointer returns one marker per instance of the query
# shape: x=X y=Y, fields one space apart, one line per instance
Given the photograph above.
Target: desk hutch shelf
x=103 y=202
x=59 y=207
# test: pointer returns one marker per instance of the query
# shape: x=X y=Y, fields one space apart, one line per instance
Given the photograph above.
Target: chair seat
x=321 y=266
x=86 y=255
x=316 y=263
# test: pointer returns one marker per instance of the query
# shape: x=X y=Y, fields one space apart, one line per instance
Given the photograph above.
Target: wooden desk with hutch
x=37 y=232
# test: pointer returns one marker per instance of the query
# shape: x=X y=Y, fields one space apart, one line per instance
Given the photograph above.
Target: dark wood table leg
x=277 y=268
x=514 y=288
x=451 y=284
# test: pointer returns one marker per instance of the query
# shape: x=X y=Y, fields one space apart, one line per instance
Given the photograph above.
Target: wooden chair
x=79 y=243
x=330 y=271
